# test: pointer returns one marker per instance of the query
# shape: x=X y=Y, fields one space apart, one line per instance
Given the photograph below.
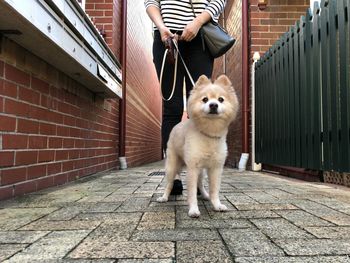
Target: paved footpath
x=113 y=217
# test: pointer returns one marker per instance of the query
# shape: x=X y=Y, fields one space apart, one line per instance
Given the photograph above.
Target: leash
x=177 y=54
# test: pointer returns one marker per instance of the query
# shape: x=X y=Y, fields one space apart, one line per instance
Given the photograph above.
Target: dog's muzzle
x=213 y=108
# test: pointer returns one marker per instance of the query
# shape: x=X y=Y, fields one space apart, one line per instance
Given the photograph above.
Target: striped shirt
x=177 y=14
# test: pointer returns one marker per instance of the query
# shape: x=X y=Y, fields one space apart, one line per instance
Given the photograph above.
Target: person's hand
x=191 y=30
x=165 y=33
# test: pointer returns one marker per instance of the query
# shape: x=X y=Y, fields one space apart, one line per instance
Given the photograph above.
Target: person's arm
x=215 y=8
x=192 y=28
x=156 y=17
x=213 y=11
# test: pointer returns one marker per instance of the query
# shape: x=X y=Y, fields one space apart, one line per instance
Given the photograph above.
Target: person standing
x=176 y=19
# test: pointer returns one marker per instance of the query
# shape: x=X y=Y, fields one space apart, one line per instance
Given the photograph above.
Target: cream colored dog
x=200 y=142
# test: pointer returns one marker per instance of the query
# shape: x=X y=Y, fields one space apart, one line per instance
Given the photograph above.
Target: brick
x=47 y=129
x=89 y=7
x=68 y=143
x=55 y=117
x=65 y=108
x=260 y=28
x=1 y=104
x=62 y=131
x=104 y=6
x=6 y=192
x=269 y=22
x=281 y=29
x=16 y=107
x=26 y=157
x=10 y=141
x=38 y=113
x=68 y=120
x=36 y=171
x=8 y=89
x=74 y=175
x=55 y=142
x=278 y=15
x=46 y=156
x=95 y=13
x=45 y=182
x=74 y=154
x=255 y=21
x=7 y=159
x=37 y=142
x=60 y=179
x=103 y=20
x=24 y=188
x=28 y=126
x=14 y=175
x=74 y=132
x=40 y=85
x=261 y=41
x=61 y=155
x=29 y=95
x=54 y=168
x=1 y=69
x=108 y=13
x=7 y=123
x=67 y=166
x=16 y=75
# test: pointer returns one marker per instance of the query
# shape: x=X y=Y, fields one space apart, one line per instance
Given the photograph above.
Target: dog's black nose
x=213 y=108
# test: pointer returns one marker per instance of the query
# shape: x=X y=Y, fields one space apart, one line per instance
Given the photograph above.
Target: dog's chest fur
x=204 y=151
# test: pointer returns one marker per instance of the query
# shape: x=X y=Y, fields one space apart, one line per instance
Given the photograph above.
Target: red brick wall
x=101 y=12
x=143 y=143
x=268 y=25
x=52 y=129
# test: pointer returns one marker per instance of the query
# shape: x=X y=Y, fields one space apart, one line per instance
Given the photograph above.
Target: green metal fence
x=303 y=93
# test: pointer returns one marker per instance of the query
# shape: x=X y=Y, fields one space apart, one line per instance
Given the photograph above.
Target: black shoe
x=177 y=188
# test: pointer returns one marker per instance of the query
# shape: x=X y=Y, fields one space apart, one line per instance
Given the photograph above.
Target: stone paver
x=114 y=217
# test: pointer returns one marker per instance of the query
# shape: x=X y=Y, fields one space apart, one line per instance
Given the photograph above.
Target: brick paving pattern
x=113 y=217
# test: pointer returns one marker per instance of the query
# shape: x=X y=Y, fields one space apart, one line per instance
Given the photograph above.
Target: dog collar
x=209 y=136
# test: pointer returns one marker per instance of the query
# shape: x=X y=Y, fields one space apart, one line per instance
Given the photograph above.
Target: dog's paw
x=162 y=199
x=220 y=208
x=194 y=212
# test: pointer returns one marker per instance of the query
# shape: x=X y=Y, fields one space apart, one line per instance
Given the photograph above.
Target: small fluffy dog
x=200 y=142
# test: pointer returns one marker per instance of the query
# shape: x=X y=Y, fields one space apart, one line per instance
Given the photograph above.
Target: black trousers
x=198 y=62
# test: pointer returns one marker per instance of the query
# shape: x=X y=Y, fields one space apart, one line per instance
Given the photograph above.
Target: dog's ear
x=224 y=81
x=202 y=80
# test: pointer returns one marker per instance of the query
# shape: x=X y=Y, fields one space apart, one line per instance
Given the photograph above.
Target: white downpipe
x=255 y=166
x=123 y=164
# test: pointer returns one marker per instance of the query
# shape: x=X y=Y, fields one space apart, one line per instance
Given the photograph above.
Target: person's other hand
x=165 y=33
x=191 y=30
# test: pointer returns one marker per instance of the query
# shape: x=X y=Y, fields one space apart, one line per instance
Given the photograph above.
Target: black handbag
x=215 y=38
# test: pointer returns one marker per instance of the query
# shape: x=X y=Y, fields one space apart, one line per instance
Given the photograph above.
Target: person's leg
x=172 y=109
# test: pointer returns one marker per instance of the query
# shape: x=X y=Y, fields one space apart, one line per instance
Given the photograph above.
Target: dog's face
x=216 y=100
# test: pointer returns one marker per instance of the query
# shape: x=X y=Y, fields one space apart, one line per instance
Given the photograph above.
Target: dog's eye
x=205 y=99
x=221 y=99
